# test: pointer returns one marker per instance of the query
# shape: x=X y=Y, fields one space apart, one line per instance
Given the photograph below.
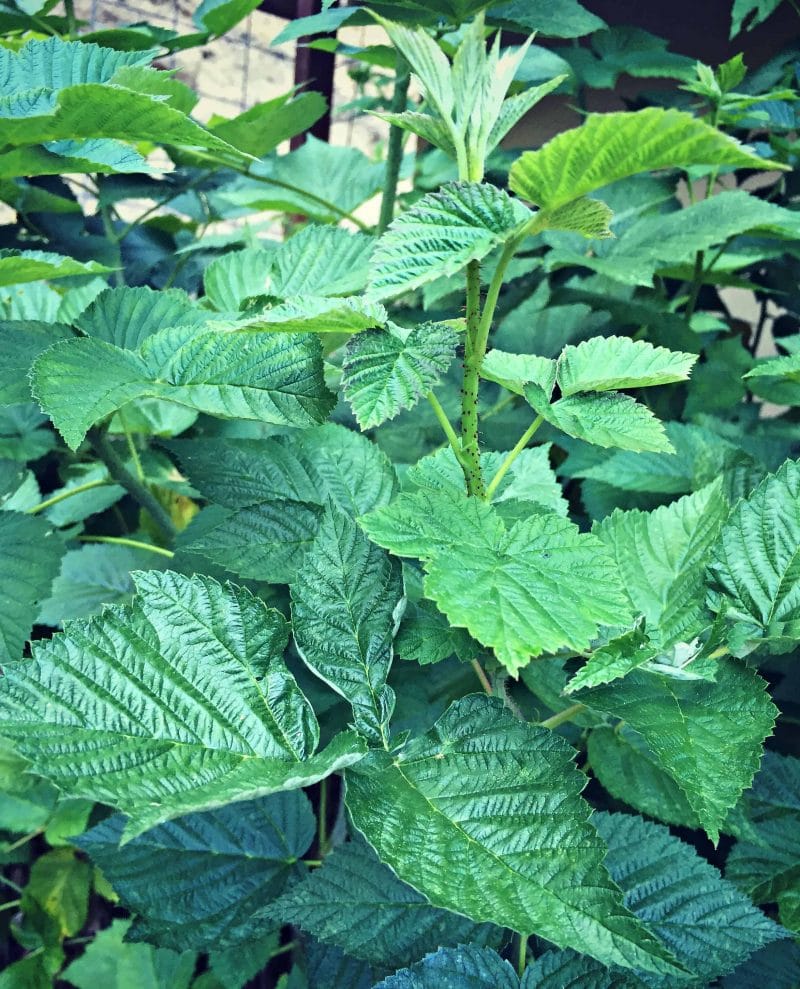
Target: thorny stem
x=394 y=151
x=473 y=358
x=322 y=819
x=68 y=493
x=120 y=473
x=512 y=456
x=124 y=541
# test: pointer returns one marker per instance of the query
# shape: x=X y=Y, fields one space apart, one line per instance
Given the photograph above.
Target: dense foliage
x=405 y=605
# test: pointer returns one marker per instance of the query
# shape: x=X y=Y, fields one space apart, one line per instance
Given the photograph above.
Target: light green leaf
x=313 y=314
x=428 y=62
x=483 y=815
x=261 y=128
x=347 y=600
x=614 y=660
x=607 y=363
x=30 y=555
x=440 y=234
x=28 y=801
x=234 y=277
x=31 y=266
x=22 y=341
x=588 y=217
x=756 y=564
x=607 y=419
x=205 y=880
x=708 y=925
x=513 y=371
x=126 y=316
x=110 y=962
x=119 y=710
x=424 y=125
x=357 y=903
x=611 y=146
x=518 y=590
x=267 y=377
x=661 y=558
x=743 y=9
x=706 y=735
x=628 y=770
x=384 y=373
x=464 y=967
x=321 y=261
x=514 y=108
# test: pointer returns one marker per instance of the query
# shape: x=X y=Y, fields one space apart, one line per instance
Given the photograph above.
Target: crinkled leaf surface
x=613 y=660
x=661 y=557
x=356 y=902
x=707 y=735
x=707 y=923
x=30 y=266
x=346 y=602
x=756 y=564
x=22 y=340
x=127 y=316
x=609 y=363
x=484 y=816
x=519 y=590
x=383 y=373
x=440 y=234
x=180 y=702
x=610 y=146
x=464 y=967
x=205 y=880
x=322 y=261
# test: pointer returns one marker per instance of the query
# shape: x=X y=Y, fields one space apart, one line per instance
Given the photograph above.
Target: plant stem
x=69 y=10
x=394 y=151
x=481 y=675
x=23 y=840
x=322 y=819
x=563 y=716
x=446 y=425
x=11 y=885
x=67 y=493
x=124 y=541
x=120 y=473
x=522 y=954
x=137 y=463
x=10 y=905
x=512 y=456
x=473 y=358
x=697 y=284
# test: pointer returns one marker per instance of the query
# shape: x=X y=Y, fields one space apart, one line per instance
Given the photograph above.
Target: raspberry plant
x=403 y=605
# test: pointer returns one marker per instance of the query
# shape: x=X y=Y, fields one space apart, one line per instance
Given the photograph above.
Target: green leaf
x=765 y=861
x=357 y=903
x=751 y=11
x=321 y=261
x=313 y=314
x=570 y=20
x=756 y=564
x=274 y=491
x=91 y=577
x=607 y=419
x=776 y=965
x=27 y=801
x=347 y=600
x=386 y=372
x=629 y=771
x=518 y=590
x=119 y=710
x=707 y=924
x=425 y=636
x=614 y=660
x=110 y=962
x=268 y=377
x=126 y=317
x=661 y=558
x=440 y=234
x=706 y=735
x=22 y=341
x=464 y=967
x=609 y=363
x=31 y=266
x=261 y=128
x=219 y=16
x=611 y=146
x=656 y=242
x=513 y=371
x=234 y=277
x=30 y=555
x=59 y=885
x=205 y=880
x=455 y=815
